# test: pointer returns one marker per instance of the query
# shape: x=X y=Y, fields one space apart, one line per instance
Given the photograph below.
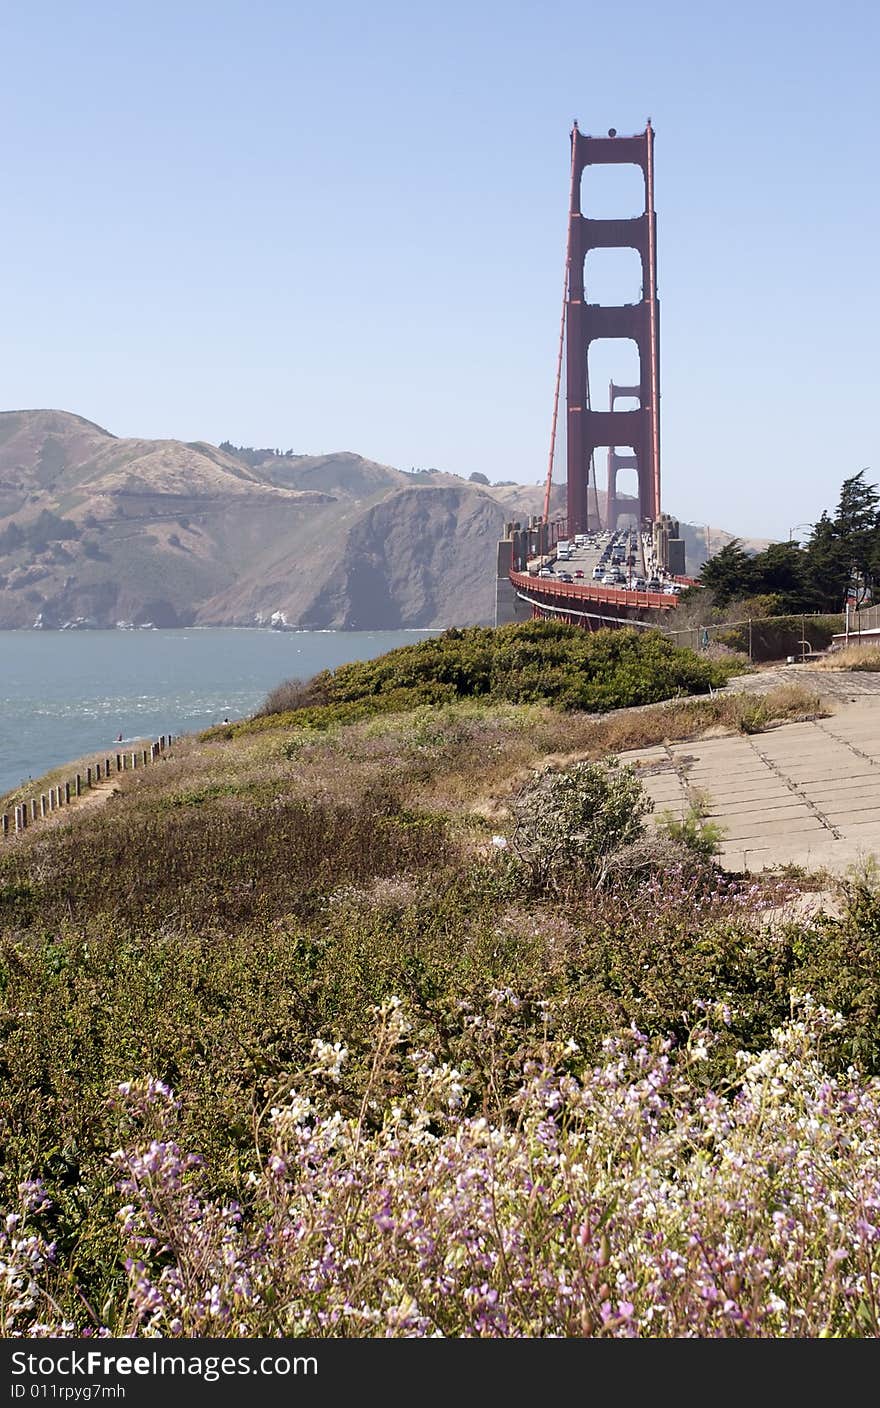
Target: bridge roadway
x=585 y=598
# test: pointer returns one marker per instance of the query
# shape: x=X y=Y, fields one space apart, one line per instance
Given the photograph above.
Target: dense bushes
x=569 y=826
x=226 y=1015
x=228 y=924
x=538 y=661
x=774 y=638
x=623 y=1201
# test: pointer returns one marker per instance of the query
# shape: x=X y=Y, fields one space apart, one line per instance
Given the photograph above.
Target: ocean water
x=67 y=693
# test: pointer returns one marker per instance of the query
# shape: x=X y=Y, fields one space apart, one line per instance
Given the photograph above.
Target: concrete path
x=804 y=794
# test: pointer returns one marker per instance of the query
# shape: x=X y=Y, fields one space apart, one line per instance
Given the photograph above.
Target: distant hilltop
x=101 y=531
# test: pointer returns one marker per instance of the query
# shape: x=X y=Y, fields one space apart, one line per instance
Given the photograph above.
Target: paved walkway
x=831 y=684
x=805 y=794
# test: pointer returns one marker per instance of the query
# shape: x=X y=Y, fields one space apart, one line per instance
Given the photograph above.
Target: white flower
x=329 y=1057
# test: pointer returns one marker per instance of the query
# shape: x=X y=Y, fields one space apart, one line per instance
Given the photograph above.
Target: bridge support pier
x=511 y=557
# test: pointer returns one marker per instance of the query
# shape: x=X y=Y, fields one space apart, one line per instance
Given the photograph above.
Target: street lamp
x=797 y=525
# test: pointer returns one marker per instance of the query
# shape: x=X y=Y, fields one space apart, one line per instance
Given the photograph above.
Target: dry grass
x=457 y=761
x=853 y=657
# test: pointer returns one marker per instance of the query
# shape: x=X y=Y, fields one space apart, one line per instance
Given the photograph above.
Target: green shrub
x=538 y=661
x=567 y=825
x=703 y=838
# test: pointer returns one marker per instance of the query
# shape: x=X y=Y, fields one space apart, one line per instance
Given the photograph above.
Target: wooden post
x=88 y=777
x=146 y=756
x=67 y=791
x=134 y=760
x=162 y=743
x=107 y=767
x=34 y=808
x=5 y=823
x=119 y=762
x=44 y=804
x=78 y=785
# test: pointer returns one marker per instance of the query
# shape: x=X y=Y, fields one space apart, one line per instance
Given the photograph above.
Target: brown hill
x=99 y=530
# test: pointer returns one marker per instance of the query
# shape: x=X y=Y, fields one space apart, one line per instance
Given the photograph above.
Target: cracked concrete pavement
x=804 y=794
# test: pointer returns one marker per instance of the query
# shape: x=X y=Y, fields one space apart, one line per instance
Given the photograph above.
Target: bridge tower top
x=586 y=321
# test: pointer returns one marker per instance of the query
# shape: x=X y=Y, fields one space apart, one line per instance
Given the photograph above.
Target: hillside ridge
x=101 y=530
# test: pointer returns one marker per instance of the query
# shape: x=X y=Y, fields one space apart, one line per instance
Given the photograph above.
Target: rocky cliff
x=98 y=530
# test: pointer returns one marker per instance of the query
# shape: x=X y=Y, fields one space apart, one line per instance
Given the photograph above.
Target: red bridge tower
x=588 y=430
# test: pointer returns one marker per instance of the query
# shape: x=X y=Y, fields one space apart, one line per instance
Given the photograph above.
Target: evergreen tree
x=858 y=527
x=827 y=566
x=781 y=571
x=729 y=573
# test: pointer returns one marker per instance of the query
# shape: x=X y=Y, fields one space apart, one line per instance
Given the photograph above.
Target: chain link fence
x=764 y=638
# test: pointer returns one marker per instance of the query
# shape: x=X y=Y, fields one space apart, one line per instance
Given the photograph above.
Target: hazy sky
x=343 y=226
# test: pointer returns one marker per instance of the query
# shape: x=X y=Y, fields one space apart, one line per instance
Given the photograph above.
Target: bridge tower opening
x=588 y=428
x=616 y=460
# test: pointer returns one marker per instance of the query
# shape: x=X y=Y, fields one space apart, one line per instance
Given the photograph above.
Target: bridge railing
x=607 y=596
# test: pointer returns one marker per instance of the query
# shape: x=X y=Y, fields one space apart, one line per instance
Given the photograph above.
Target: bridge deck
x=578 y=593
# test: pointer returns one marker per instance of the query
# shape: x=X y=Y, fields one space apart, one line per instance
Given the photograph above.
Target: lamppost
x=797 y=525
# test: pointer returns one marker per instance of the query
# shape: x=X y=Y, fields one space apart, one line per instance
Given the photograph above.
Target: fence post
x=5 y=823
x=44 y=805
x=34 y=809
x=134 y=760
x=107 y=767
x=88 y=777
x=77 y=783
x=67 y=791
x=145 y=755
x=750 y=640
x=119 y=762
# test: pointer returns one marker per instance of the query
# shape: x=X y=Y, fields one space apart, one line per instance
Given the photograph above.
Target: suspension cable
x=561 y=334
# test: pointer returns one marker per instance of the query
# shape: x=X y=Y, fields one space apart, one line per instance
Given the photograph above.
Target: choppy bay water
x=67 y=693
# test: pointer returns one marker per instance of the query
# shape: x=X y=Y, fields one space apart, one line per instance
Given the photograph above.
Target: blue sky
x=343 y=227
